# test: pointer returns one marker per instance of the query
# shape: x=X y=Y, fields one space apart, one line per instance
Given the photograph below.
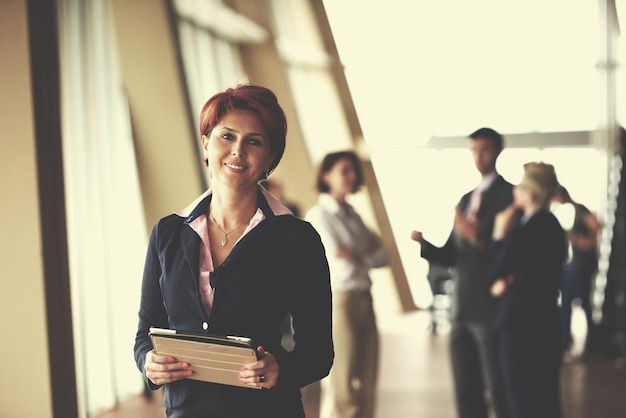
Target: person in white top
x=352 y=250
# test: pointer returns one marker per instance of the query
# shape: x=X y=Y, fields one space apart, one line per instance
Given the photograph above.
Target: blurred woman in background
x=528 y=251
x=352 y=250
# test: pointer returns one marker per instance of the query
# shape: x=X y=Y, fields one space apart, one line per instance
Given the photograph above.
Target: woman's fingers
x=161 y=378
x=263 y=373
x=165 y=369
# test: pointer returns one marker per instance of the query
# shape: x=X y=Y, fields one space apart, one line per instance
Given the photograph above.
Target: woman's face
x=522 y=196
x=238 y=149
x=341 y=177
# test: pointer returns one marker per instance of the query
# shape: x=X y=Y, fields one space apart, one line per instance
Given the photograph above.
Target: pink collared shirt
x=200 y=225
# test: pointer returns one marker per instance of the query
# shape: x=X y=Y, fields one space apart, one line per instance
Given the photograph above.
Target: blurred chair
x=441 y=283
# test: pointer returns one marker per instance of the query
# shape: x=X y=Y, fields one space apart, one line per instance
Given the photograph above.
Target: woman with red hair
x=236 y=262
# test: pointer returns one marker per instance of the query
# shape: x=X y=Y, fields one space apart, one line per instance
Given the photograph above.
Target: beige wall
x=263 y=66
x=25 y=384
x=169 y=166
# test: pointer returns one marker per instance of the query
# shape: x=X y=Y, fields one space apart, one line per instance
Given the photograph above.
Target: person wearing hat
x=528 y=250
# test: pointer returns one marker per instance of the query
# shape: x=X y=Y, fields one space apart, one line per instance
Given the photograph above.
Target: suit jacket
x=471 y=298
x=278 y=267
x=527 y=319
x=534 y=253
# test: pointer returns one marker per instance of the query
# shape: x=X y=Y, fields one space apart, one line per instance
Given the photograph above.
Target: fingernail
x=185 y=365
x=189 y=373
x=170 y=360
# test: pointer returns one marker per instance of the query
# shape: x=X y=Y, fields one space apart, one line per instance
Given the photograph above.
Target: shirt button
x=205 y=325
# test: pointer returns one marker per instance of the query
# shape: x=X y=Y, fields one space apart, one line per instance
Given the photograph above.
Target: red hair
x=260 y=100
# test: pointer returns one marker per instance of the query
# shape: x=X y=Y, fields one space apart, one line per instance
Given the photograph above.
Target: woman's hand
x=165 y=369
x=263 y=373
x=504 y=221
x=500 y=286
x=343 y=252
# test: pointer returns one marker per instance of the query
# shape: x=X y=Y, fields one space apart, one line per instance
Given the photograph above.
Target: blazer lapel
x=190 y=244
x=189 y=239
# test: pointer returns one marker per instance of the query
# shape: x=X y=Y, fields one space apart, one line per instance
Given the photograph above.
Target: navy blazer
x=471 y=298
x=278 y=267
x=533 y=252
x=527 y=319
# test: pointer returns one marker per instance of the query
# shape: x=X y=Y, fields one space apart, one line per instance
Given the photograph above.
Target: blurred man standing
x=472 y=340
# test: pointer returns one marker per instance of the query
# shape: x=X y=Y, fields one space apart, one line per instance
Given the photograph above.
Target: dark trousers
x=531 y=364
x=576 y=284
x=476 y=371
x=208 y=400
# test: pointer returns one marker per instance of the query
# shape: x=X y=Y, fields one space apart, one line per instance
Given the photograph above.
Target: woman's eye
x=255 y=141
x=227 y=135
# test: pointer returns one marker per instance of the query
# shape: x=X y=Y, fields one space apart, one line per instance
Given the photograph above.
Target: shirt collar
x=193 y=205
x=487 y=181
x=327 y=202
x=200 y=205
x=275 y=205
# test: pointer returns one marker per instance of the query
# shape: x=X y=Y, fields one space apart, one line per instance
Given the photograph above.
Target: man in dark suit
x=472 y=339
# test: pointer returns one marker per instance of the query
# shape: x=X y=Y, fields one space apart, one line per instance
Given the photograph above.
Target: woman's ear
x=205 y=145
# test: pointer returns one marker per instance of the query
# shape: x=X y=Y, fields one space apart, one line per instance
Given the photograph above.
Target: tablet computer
x=212 y=358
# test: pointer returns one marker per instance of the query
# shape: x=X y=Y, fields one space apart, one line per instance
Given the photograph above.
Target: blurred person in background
x=476 y=370
x=527 y=252
x=352 y=249
x=582 y=229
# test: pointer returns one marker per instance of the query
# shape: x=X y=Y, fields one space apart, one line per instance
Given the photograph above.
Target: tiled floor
x=415 y=379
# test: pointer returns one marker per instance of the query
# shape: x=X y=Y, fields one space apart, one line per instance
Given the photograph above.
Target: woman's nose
x=238 y=148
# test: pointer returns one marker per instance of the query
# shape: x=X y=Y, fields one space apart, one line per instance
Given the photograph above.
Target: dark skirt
x=206 y=400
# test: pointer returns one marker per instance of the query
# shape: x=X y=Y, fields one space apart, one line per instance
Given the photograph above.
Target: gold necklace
x=225 y=237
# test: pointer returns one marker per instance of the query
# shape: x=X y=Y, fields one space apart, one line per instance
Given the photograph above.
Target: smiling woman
x=252 y=99
x=268 y=264
x=240 y=149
